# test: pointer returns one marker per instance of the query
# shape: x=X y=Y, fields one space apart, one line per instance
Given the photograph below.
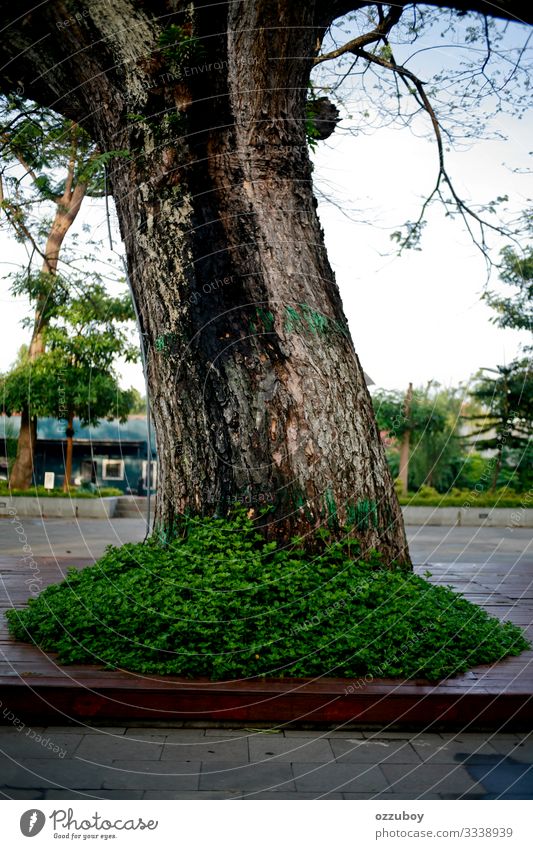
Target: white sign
x=49 y=480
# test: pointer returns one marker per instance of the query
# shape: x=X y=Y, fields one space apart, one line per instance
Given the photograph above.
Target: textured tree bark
x=257 y=393
x=22 y=470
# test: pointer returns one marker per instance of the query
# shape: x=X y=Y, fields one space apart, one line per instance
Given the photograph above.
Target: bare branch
x=416 y=88
x=384 y=26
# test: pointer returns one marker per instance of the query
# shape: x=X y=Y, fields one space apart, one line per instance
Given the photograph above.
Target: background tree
x=515 y=310
x=506 y=421
x=438 y=456
x=258 y=385
x=139 y=403
x=74 y=376
x=415 y=424
x=49 y=164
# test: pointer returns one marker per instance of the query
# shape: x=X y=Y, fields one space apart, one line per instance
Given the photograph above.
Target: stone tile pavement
x=80 y=762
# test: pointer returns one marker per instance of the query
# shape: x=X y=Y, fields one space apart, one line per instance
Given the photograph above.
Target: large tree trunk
x=256 y=390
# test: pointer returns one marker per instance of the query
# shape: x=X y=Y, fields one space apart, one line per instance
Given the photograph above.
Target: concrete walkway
x=199 y=763
x=90 y=537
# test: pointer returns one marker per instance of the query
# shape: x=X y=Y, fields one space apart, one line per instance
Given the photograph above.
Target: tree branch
x=18 y=226
x=466 y=212
x=384 y=26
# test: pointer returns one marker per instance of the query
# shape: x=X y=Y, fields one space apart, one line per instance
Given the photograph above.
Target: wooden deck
x=34 y=687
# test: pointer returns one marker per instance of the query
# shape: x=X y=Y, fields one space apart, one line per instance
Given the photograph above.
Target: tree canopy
x=76 y=376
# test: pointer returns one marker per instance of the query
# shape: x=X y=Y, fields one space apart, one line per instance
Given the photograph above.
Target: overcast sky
x=417 y=317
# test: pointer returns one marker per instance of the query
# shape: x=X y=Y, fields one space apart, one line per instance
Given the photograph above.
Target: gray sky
x=418 y=316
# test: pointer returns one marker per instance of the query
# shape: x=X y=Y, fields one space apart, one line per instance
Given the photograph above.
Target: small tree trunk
x=403 y=473
x=497 y=469
x=22 y=471
x=68 y=455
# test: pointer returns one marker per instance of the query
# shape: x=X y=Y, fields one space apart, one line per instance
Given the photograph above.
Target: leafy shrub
x=429 y=497
x=427 y=492
x=223 y=603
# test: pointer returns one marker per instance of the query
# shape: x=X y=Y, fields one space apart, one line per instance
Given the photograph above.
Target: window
x=153 y=473
x=88 y=471
x=113 y=470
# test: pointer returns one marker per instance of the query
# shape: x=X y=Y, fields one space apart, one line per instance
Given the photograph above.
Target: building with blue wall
x=110 y=454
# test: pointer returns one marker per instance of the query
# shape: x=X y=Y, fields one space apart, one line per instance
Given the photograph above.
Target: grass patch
x=223 y=603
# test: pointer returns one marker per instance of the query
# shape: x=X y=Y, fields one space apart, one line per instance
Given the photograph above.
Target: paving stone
x=191 y=795
x=22 y=794
x=434 y=778
x=292 y=797
x=383 y=734
x=328 y=734
x=470 y=739
x=345 y=735
x=208 y=749
x=152 y=775
x=450 y=751
x=520 y=750
x=156 y=725
x=12 y=731
x=289 y=749
x=220 y=733
x=509 y=796
x=23 y=746
x=466 y=796
x=94 y=794
x=98 y=749
x=503 y=776
x=161 y=735
x=504 y=736
x=47 y=772
x=339 y=778
x=267 y=777
x=382 y=796
x=274 y=730
x=113 y=731
x=374 y=752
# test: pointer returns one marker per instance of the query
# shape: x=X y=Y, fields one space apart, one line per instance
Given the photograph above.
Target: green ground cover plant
x=219 y=601
x=41 y=492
